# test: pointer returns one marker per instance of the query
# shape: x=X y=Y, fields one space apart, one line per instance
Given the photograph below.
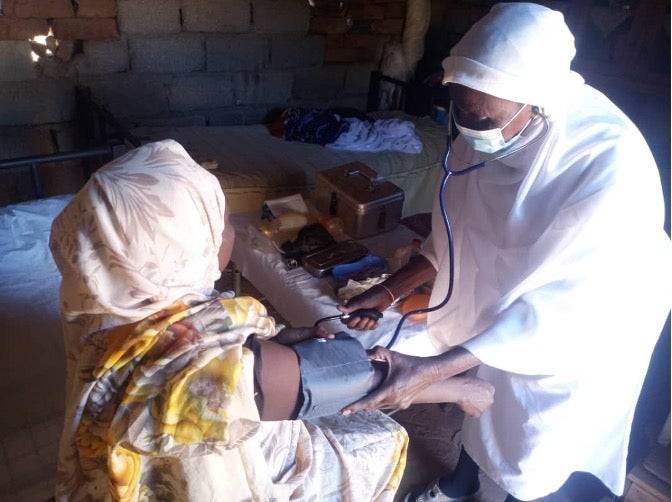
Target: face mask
x=489 y=141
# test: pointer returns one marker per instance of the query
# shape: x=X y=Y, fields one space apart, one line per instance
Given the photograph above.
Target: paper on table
x=289 y=204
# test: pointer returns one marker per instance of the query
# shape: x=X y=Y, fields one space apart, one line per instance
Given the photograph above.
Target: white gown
x=562 y=274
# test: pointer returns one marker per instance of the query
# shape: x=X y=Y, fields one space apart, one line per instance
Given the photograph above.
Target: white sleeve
x=598 y=283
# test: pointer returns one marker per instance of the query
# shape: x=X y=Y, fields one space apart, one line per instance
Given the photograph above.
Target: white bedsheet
x=302 y=298
x=32 y=357
x=255 y=166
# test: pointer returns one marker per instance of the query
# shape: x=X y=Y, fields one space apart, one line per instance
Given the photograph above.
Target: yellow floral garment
x=164 y=410
x=160 y=395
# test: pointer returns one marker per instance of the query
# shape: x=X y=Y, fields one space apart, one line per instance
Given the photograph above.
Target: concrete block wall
x=151 y=58
x=210 y=62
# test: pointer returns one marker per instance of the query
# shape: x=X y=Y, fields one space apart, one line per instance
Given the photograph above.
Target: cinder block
x=297 y=51
x=96 y=8
x=262 y=87
x=22 y=29
x=388 y=26
x=43 y=8
x=236 y=52
x=357 y=79
x=356 y=102
x=280 y=16
x=221 y=16
x=330 y=25
x=84 y=28
x=126 y=95
x=319 y=83
x=395 y=9
x=200 y=92
x=167 y=54
x=367 y=11
x=36 y=102
x=148 y=17
x=23 y=141
x=364 y=40
x=103 y=56
x=336 y=54
x=366 y=48
x=54 y=67
x=16 y=62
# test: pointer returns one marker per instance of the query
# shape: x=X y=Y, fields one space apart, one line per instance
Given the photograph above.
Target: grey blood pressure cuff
x=334 y=373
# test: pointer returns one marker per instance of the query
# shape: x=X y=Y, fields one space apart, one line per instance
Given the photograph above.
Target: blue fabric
x=313 y=125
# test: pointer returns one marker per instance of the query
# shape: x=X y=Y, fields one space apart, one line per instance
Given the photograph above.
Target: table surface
x=302 y=298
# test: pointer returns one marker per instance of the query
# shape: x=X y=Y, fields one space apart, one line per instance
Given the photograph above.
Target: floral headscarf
x=144 y=231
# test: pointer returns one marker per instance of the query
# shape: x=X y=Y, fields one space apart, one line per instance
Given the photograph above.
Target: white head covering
x=518 y=51
x=144 y=231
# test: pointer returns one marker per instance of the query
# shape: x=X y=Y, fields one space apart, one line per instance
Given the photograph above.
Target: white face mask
x=488 y=141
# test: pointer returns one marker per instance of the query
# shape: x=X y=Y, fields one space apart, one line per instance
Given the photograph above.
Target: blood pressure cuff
x=334 y=373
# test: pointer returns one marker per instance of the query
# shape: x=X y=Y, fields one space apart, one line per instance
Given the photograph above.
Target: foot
x=432 y=493
x=477 y=396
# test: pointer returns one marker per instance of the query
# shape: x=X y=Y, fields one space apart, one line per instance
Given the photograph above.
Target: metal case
x=367 y=204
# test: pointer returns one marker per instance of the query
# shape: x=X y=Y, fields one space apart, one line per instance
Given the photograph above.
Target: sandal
x=432 y=493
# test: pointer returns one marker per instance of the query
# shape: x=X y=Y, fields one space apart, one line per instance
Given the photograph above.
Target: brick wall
x=220 y=60
x=209 y=62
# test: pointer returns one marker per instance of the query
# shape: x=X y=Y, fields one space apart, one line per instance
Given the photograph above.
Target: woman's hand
x=290 y=336
x=416 y=272
x=376 y=297
x=406 y=377
x=413 y=379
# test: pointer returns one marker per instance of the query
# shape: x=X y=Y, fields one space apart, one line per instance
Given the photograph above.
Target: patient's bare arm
x=278 y=380
x=279 y=385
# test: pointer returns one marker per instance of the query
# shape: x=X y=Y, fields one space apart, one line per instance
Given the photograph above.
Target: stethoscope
x=448 y=172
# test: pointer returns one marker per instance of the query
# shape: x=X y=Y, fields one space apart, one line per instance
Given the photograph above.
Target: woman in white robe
x=561 y=264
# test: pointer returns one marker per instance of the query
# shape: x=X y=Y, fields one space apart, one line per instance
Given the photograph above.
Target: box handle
x=373 y=182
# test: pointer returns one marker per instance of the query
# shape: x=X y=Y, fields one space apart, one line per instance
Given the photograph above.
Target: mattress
x=30 y=312
x=32 y=359
x=254 y=166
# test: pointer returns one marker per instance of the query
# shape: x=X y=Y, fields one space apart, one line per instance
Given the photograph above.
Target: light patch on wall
x=43 y=45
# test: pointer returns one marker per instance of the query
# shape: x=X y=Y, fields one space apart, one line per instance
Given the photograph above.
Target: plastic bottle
x=334 y=226
x=284 y=222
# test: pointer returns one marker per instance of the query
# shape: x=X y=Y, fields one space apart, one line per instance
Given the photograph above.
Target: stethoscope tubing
x=446 y=221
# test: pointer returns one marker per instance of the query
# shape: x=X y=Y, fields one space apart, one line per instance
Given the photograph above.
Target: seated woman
x=171 y=386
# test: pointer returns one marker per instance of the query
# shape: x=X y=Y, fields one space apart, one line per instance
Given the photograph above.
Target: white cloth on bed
x=378 y=136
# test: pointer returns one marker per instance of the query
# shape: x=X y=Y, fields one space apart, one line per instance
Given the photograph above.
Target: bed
x=32 y=359
x=254 y=166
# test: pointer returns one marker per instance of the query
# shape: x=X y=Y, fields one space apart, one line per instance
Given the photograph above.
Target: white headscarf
x=518 y=51
x=144 y=231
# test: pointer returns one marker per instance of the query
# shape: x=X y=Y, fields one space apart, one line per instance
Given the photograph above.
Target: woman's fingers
x=290 y=336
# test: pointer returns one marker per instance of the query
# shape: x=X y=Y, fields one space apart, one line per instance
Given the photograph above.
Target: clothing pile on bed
x=358 y=132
